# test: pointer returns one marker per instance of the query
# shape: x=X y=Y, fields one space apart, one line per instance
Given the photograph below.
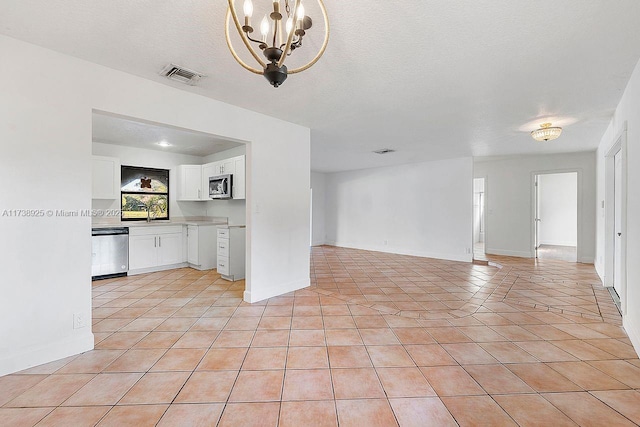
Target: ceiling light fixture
x=281 y=41
x=164 y=144
x=546 y=132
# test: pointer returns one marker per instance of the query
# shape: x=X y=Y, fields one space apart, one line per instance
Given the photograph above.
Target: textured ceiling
x=432 y=79
x=109 y=129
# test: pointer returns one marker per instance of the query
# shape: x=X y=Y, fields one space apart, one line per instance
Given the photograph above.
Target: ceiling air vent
x=385 y=151
x=181 y=74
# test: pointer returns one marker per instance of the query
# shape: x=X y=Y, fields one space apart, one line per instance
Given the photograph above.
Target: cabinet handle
x=155 y=242
x=160 y=241
x=198 y=193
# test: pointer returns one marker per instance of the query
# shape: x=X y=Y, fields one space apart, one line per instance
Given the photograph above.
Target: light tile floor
x=377 y=340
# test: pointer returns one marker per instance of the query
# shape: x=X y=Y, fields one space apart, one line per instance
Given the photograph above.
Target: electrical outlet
x=468 y=250
x=80 y=320
x=385 y=243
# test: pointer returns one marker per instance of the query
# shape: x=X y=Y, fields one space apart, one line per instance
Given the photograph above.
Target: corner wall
x=45 y=134
x=627 y=114
x=318 y=185
x=509 y=198
x=423 y=209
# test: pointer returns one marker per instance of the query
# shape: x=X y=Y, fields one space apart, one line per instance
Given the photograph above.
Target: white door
x=617 y=228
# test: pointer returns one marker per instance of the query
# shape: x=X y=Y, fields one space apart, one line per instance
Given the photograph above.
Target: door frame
x=620 y=145
x=534 y=206
x=485 y=203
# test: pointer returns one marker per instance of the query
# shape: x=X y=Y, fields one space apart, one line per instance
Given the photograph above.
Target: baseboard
x=587 y=260
x=508 y=252
x=264 y=294
x=600 y=271
x=559 y=243
x=634 y=333
x=39 y=354
x=402 y=251
x=159 y=268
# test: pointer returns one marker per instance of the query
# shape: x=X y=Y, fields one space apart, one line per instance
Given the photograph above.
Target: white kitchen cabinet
x=239 y=182
x=201 y=246
x=190 y=183
x=231 y=252
x=105 y=174
x=208 y=170
x=234 y=166
x=170 y=248
x=154 y=248
x=143 y=251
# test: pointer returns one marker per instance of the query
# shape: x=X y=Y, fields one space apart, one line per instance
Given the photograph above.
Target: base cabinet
x=151 y=247
x=231 y=252
x=201 y=247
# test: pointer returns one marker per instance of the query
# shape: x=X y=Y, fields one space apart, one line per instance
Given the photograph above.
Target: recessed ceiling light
x=163 y=144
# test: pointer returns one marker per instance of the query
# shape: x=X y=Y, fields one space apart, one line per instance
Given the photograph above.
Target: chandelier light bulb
x=265 y=27
x=300 y=12
x=248 y=8
x=289 y=25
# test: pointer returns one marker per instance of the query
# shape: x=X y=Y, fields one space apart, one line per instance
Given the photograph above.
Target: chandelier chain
x=287 y=8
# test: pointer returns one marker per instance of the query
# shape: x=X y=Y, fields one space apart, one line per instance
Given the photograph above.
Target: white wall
x=45 y=136
x=627 y=113
x=422 y=209
x=226 y=154
x=318 y=185
x=558 y=209
x=509 y=200
x=132 y=156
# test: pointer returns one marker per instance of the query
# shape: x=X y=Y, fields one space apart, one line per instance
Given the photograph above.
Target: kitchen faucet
x=148 y=209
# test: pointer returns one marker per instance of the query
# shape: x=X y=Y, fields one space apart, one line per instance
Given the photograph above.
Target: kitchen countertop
x=159 y=223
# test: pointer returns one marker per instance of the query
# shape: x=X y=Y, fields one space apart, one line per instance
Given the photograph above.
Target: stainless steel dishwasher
x=110 y=252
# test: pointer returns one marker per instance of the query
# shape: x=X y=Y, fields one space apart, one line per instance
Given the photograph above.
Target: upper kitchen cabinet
x=105 y=178
x=190 y=183
x=239 y=183
x=210 y=169
x=193 y=180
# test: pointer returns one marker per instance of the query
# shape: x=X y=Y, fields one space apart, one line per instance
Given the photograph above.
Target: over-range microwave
x=220 y=186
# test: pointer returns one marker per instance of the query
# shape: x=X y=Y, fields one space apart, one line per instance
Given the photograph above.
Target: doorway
x=556 y=216
x=479 y=201
x=617 y=222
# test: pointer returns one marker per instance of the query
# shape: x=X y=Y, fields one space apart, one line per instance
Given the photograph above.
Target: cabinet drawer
x=223 y=233
x=223 y=247
x=223 y=265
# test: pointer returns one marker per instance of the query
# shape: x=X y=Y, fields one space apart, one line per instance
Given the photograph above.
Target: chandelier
x=546 y=132
x=281 y=33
